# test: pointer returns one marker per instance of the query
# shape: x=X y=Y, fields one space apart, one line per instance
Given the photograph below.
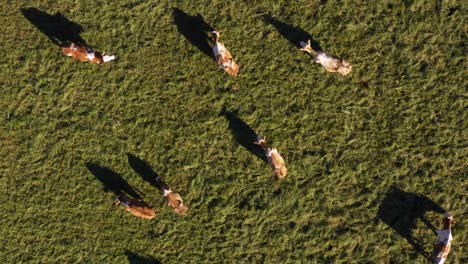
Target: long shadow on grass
x=244 y=134
x=134 y=258
x=148 y=174
x=58 y=28
x=291 y=33
x=112 y=181
x=194 y=29
x=400 y=210
x=143 y=169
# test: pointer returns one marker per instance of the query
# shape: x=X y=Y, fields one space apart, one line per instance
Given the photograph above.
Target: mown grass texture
x=397 y=120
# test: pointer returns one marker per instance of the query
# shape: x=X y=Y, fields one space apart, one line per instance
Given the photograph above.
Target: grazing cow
x=330 y=63
x=173 y=199
x=274 y=158
x=136 y=207
x=85 y=53
x=444 y=240
x=223 y=57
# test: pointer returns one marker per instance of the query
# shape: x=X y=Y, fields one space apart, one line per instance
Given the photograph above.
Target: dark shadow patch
x=429 y=225
x=134 y=258
x=195 y=30
x=292 y=33
x=244 y=134
x=400 y=211
x=214 y=202
x=278 y=191
x=452 y=10
x=112 y=181
x=144 y=170
x=252 y=200
x=56 y=27
x=147 y=173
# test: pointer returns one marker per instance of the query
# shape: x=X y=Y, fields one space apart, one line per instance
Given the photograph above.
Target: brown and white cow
x=136 y=207
x=444 y=240
x=223 y=57
x=274 y=158
x=174 y=200
x=330 y=63
x=82 y=52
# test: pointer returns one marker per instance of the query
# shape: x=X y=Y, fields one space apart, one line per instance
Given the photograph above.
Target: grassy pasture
x=373 y=158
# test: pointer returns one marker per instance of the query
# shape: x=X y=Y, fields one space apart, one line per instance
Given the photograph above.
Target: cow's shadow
x=149 y=175
x=194 y=29
x=112 y=181
x=400 y=210
x=56 y=27
x=294 y=34
x=144 y=170
x=134 y=258
x=244 y=134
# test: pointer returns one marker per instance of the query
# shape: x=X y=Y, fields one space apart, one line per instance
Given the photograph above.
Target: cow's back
x=79 y=54
x=144 y=212
x=140 y=209
x=440 y=255
x=175 y=201
x=277 y=164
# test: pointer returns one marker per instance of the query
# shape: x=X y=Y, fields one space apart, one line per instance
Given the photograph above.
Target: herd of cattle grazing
x=222 y=56
x=224 y=59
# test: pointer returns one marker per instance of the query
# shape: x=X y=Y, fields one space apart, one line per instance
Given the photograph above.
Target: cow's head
x=215 y=35
x=448 y=220
x=261 y=141
x=305 y=45
x=106 y=58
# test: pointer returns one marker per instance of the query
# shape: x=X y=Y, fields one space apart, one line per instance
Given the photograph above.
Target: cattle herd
x=224 y=59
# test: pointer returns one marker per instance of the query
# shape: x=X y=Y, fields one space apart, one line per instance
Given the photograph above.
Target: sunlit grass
x=397 y=119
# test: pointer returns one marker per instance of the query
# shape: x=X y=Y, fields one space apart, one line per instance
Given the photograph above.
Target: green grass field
x=372 y=157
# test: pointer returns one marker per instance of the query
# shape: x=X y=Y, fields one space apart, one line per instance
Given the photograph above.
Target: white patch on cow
x=271 y=151
x=444 y=236
x=107 y=58
x=166 y=192
x=219 y=49
x=324 y=59
x=90 y=55
x=228 y=64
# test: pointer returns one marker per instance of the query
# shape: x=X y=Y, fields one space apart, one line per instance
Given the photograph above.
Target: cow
x=330 y=63
x=274 y=158
x=444 y=240
x=223 y=57
x=174 y=200
x=83 y=52
x=136 y=207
